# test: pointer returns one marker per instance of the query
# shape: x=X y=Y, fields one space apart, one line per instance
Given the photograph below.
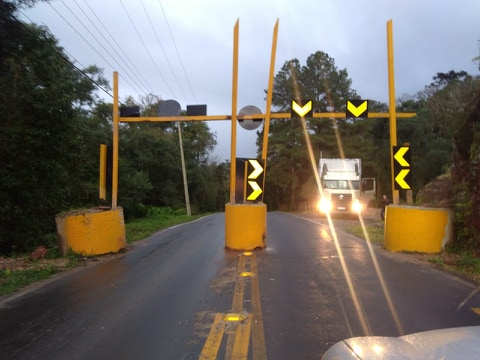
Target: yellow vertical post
x=392 y=107
x=266 y=127
x=245 y=180
x=102 y=192
x=233 y=150
x=115 y=141
x=245 y=223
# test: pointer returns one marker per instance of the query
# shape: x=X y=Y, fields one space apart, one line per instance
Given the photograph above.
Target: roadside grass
x=11 y=281
x=20 y=271
x=156 y=220
x=374 y=232
x=464 y=264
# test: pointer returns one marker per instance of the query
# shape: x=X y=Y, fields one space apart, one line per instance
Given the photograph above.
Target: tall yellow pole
x=115 y=141
x=266 y=127
x=392 y=107
x=233 y=150
x=245 y=224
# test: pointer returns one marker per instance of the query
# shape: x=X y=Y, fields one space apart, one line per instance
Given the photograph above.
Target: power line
x=107 y=42
x=91 y=34
x=68 y=60
x=124 y=55
x=146 y=49
x=163 y=50
x=111 y=52
x=178 y=54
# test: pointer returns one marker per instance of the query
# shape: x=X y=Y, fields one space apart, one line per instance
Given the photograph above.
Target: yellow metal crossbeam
x=337 y=115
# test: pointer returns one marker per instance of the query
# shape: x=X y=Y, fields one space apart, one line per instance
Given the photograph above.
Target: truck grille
x=341 y=201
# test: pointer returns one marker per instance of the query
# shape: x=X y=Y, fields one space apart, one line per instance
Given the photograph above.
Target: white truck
x=343 y=190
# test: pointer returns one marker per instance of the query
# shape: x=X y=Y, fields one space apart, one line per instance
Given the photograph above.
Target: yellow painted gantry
x=246 y=223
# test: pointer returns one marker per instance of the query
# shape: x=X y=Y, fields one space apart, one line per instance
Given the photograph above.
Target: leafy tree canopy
x=41 y=100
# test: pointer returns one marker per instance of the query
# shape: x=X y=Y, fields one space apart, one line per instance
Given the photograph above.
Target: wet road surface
x=180 y=295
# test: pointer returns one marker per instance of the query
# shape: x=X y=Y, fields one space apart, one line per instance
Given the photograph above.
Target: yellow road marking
x=239 y=291
x=476 y=310
x=214 y=339
x=238 y=324
x=258 y=337
x=242 y=339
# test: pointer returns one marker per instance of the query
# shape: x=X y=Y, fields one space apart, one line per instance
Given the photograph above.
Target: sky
x=183 y=49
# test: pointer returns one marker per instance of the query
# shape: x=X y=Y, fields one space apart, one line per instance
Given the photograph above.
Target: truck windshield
x=341 y=184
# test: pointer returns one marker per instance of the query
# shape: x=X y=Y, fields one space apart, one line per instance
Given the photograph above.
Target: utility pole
x=184 y=171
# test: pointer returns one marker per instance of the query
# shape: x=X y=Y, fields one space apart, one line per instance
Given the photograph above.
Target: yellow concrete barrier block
x=417 y=229
x=91 y=232
x=245 y=226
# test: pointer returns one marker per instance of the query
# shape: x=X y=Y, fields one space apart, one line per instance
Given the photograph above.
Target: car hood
x=455 y=343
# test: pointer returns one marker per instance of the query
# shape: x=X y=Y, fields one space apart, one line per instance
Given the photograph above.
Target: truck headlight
x=324 y=206
x=357 y=206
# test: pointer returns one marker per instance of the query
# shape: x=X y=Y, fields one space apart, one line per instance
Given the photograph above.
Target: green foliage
x=374 y=232
x=138 y=185
x=11 y=281
x=41 y=136
x=440 y=112
x=51 y=128
x=154 y=150
x=458 y=261
x=290 y=181
x=157 y=219
x=467 y=181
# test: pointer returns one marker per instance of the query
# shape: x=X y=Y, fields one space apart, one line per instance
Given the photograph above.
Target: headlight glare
x=324 y=205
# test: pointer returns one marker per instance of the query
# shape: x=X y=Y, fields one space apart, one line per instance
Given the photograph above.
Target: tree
x=153 y=149
x=41 y=97
x=289 y=174
x=466 y=181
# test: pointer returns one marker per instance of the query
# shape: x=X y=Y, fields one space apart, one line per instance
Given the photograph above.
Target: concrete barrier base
x=91 y=232
x=245 y=226
x=417 y=229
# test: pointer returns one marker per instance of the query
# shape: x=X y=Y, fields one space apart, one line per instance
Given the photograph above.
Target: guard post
x=246 y=221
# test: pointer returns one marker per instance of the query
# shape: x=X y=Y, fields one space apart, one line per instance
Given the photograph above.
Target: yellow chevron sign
x=399 y=156
x=357 y=108
x=257 y=190
x=400 y=179
x=254 y=179
x=401 y=167
x=257 y=169
x=299 y=110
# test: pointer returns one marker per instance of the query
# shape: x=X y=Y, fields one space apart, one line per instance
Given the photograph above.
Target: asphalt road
x=181 y=295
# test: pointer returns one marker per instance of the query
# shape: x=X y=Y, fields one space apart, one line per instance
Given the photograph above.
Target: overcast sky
x=183 y=49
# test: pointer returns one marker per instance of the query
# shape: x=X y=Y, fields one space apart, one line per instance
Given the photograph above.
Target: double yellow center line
x=240 y=325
